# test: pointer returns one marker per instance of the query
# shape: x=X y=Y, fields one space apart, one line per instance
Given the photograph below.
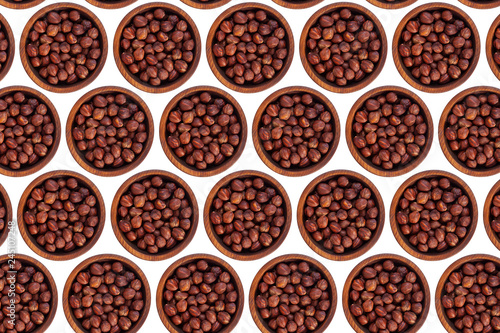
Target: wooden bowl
x=374 y=260
x=49 y=280
x=132 y=247
x=266 y=157
x=217 y=241
x=406 y=74
x=134 y=79
x=489 y=46
x=448 y=325
x=79 y=156
x=30 y=92
x=317 y=246
x=366 y=162
x=111 y=4
x=260 y=322
x=31 y=241
x=488 y=217
x=8 y=223
x=129 y=264
x=319 y=78
x=23 y=4
x=403 y=240
x=481 y=4
x=210 y=4
x=297 y=4
x=391 y=5
x=11 y=50
x=186 y=261
x=33 y=72
x=220 y=73
x=179 y=162
x=451 y=156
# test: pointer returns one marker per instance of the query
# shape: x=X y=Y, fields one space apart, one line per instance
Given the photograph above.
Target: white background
x=342 y=159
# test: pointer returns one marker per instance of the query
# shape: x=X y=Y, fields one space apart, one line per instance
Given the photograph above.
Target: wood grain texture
x=259 y=321
x=211 y=4
x=31 y=241
x=391 y=5
x=447 y=323
x=320 y=79
x=20 y=5
x=406 y=74
x=132 y=247
x=74 y=323
x=180 y=163
x=220 y=72
x=113 y=4
x=317 y=246
x=294 y=4
x=4 y=198
x=451 y=156
x=266 y=157
x=403 y=240
x=216 y=239
x=481 y=4
x=134 y=79
x=489 y=47
x=79 y=156
x=49 y=280
x=488 y=217
x=33 y=72
x=371 y=261
x=11 y=51
x=211 y=260
x=365 y=162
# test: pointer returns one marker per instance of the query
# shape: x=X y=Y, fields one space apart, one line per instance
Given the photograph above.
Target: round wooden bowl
x=451 y=156
x=489 y=46
x=441 y=311
x=481 y=4
x=297 y=4
x=111 y=4
x=406 y=74
x=403 y=240
x=365 y=162
x=8 y=222
x=319 y=78
x=374 y=260
x=488 y=217
x=317 y=246
x=132 y=247
x=11 y=50
x=129 y=264
x=23 y=4
x=220 y=73
x=217 y=241
x=266 y=157
x=186 y=261
x=33 y=72
x=210 y=4
x=391 y=5
x=30 y=92
x=31 y=241
x=49 y=280
x=260 y=322
x=79 y=156
x=134 y=79
x=179 y=162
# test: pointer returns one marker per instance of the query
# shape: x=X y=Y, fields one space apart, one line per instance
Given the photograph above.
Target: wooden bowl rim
x=63 y=88
x=386 y=5
x=489 y=46
x=209 y=5
x=487 y=218
x=403 y=241
x=10 y=4
x=57 y=135
x=266 y=158
x=114 y=5
x=100 y=258
x=219 y=73
x=186 y=260
x=407 y=76
x=180 y=163
x=443 y=142
x=263 y=327
x=217 y=241
x=316 y=246
x=51 y=282
x=366 y=163
x=12 y=44
x=447 y=324
x=318 y=78
x=31 y=242
x=131 y=247
x=132 y=78
x=372 y=260
x=487 y=5
x=4 y=198
x=301 y=5
x=80 y=157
